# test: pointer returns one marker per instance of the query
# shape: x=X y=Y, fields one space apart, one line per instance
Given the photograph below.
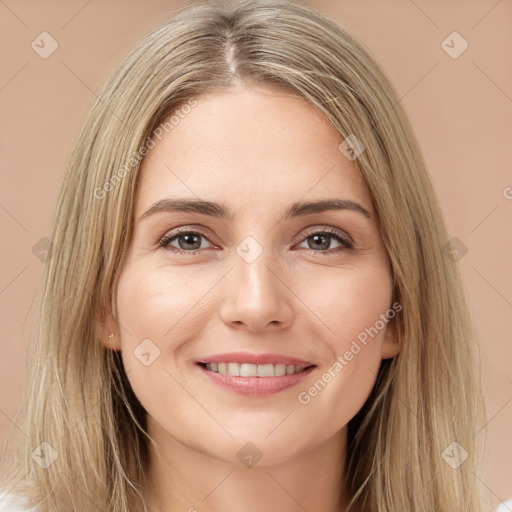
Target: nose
x=257 y=297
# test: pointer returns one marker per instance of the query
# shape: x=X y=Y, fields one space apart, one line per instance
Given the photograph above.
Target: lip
x=246 y=357
x=254 y=386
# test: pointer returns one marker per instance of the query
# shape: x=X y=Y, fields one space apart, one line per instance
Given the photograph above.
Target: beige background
x=461 y=109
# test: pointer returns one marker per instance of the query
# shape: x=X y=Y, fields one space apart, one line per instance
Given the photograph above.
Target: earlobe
x=108 y=332
x=391 y=344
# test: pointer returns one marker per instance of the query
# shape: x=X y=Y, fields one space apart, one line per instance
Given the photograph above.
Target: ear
x=106 y=326
x=391 y=344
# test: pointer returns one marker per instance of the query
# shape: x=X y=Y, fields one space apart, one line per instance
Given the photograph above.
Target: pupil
x=325 y=245
x=189 y=239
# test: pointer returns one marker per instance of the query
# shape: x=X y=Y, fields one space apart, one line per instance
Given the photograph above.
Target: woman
x=312 y=349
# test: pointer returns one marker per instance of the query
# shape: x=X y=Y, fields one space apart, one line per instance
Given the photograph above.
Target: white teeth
x=265 y=370
x=254 y=370
x=247 y=370
x=233 y=369
x=280 y=370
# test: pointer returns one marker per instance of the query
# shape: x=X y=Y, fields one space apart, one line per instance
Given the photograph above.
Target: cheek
x=347 y=304
x=352 y=323
x=161 y=311
x=155 y=311
x=157 y=304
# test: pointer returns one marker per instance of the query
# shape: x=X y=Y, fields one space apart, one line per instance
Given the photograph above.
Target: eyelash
x=338 y=236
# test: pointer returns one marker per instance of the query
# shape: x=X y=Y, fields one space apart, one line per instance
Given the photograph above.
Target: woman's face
x=252 y=277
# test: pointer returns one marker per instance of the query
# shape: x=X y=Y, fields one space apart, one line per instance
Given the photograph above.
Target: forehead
x=254 y=146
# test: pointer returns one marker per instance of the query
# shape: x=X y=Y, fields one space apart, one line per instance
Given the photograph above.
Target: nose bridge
x=254 y=268
x=255 y=294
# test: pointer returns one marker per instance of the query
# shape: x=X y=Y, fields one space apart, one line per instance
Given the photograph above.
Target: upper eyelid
x=183 y=230
x=329 y=230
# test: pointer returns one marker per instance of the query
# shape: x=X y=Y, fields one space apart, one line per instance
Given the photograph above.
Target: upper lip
x=246 y=357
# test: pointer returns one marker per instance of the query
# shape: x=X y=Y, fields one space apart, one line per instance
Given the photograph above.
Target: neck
x=185 y=478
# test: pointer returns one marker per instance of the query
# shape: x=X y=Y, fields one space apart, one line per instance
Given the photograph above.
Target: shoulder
x=10 y=502
x=506 y=506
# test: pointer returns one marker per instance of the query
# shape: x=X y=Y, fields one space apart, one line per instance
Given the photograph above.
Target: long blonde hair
x=80 y=401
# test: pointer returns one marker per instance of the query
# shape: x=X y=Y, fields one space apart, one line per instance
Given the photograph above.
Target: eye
x=322 y=239
x=188 y=241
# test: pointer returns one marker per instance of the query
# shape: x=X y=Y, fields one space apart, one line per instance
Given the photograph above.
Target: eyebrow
x=221 y=211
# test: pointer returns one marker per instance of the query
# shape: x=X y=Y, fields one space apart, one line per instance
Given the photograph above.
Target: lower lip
x=256 y=386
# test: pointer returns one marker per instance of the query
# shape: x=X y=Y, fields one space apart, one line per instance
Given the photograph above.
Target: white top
x=506 y=506
x=9 y=502
x=13 y=503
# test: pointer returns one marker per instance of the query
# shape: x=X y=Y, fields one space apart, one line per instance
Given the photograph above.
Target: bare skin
x=257 y=151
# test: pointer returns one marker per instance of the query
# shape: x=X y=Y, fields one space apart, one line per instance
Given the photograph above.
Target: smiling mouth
x=254 y=370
